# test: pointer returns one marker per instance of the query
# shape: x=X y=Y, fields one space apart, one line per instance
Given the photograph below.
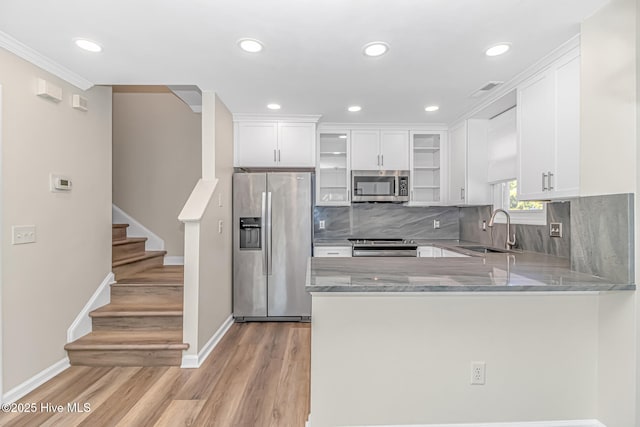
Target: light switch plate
x=21 y=234
x=321 y=224
x=436 y=224
x=555 y=229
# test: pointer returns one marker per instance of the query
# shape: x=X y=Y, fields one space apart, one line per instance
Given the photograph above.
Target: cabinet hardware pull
x=274 y=156
x=382 y=161
x=278 y=155
x=462 y=194
x=544 y=184
x=411 y=194
x=550 y=182
x=333 y=253
x=378 y=160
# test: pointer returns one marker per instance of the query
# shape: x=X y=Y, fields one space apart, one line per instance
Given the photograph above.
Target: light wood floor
x=258 y=375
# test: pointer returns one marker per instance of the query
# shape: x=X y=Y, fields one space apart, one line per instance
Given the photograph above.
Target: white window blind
x=502 y=147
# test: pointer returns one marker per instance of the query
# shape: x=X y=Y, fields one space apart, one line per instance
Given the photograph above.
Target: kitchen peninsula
x=394 y=342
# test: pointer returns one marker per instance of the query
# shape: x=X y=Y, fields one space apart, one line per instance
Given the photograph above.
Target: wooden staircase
x=142 y=325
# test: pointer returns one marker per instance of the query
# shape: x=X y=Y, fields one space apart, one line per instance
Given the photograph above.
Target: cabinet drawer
x=332 y=251
x=429 y=252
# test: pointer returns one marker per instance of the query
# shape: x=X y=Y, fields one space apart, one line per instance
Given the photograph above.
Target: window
x=505 y=196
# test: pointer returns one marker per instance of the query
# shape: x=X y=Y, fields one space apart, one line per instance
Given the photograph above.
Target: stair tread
x=128 y=240
x=162 y=275
x=129 y=340
x=119 y=310
x=119 y=225
x=141 y=257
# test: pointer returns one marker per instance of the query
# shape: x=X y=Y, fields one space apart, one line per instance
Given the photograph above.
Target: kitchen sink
x=486 y=249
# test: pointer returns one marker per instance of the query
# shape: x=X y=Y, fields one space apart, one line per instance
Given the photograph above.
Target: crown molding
x=383 y=126
x=250 y=117
x=36 y=58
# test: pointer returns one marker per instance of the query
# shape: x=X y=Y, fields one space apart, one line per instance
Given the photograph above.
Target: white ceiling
x=312 y=62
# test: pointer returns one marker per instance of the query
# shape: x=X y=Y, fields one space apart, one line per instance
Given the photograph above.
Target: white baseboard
x=173 y=260
x=136 y=229
x=35 y=381
x=564 y=423
x=192 y=361
x=81 y=326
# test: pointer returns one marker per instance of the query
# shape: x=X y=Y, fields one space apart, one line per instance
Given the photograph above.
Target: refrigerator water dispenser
x=250 y=231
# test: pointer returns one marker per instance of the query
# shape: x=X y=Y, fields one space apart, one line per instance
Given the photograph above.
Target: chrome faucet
x=509 y=243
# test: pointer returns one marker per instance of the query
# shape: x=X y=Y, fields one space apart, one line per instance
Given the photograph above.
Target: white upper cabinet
x=274 y=143
x=256 y=144
x=296 y=144
x=457 y=164
x=380 y=150
x=468 y=164
x=365 y=150
x=333 y=175
x=427 y=167
x=549 y=132
x=394 y=150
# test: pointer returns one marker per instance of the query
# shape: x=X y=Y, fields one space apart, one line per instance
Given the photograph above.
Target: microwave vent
x=486 y=89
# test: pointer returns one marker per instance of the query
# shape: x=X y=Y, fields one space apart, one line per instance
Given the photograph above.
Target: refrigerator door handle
x=268 y=242
x=263 y=237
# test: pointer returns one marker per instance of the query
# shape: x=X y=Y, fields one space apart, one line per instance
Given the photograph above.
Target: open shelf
x=427 y=168
x=333 y=153
x=426 y=186
x=428 y=149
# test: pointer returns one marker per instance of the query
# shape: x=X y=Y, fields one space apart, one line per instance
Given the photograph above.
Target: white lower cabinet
x=332 y=251
x=433 y=252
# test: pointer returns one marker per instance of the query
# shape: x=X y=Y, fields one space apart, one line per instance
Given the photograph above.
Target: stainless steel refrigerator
x=271 y=245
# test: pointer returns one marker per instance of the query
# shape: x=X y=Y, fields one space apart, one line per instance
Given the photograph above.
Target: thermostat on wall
x=60 y=183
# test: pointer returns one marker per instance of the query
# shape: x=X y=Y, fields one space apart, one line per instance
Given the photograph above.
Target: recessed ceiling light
x=354 y=108
x=375 y=48
x=88 y=45
x=273 y=106
x=431 y=108
x=498 y=49
x=250 y=45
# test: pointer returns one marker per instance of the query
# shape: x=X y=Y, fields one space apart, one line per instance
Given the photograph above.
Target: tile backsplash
x=533 y=238
x=602 y=238
x=385 y=220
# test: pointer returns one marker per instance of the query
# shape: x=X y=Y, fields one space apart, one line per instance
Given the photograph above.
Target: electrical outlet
x=436 y=224
x=555 y=229
x=220 y=226
x=21 y=234
x=478 y=372
x=484 y=225
x=321 y=224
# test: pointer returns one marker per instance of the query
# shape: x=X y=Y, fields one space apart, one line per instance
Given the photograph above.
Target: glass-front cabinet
x=427 y=162
x=332 y=169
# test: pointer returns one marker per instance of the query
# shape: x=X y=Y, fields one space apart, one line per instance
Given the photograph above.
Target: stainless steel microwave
x=379 y=186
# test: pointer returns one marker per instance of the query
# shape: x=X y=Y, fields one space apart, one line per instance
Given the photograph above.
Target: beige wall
x=388 y=359
x=608 y=90
x=216 y=267
x=46 y=284
x=156 y=161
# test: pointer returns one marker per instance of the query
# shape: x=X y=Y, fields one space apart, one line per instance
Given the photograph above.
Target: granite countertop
x=517 y=271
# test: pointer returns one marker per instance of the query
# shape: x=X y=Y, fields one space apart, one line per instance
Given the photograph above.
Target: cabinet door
x=256 y=144
x=296 y=144
x=332 y=169
x=536 y=116
x=457 y=164
x=332 y=251
x=394 y=150
x=365 y=150
x=566 y=179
